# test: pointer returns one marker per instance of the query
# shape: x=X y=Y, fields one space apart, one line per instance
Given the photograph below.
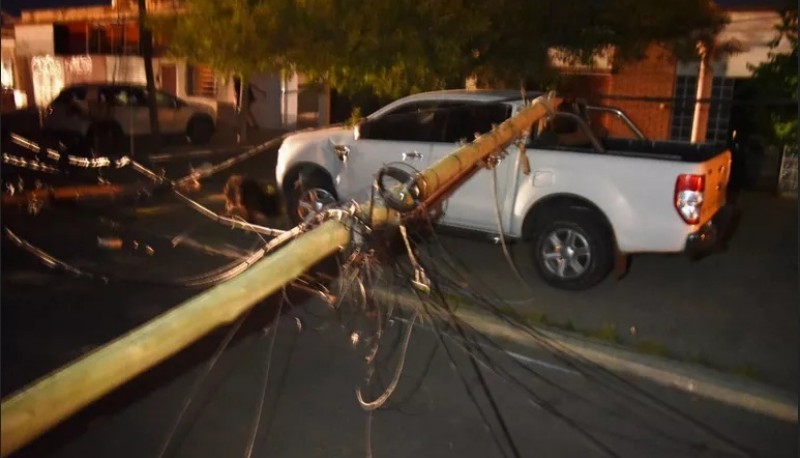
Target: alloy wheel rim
x=566 y=253
x=313 y=201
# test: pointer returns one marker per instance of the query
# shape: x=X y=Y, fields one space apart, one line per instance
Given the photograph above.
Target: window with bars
x=201 y=81
x=719 y=113
x=683 y=109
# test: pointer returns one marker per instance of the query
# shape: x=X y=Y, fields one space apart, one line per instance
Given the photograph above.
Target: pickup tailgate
x=717 y=171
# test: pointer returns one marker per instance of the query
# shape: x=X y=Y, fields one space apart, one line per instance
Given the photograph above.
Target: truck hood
x=336 y=135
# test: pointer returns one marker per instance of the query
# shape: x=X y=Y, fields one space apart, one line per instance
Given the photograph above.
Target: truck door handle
x=412 y=155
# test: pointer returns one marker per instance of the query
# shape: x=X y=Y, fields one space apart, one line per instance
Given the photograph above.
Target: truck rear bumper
x=711 y=236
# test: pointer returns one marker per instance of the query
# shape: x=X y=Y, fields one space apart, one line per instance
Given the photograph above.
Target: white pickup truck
x=581 y=208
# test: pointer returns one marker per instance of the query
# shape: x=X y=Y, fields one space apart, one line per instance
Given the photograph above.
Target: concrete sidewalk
x=692 y=378
x=297 y=399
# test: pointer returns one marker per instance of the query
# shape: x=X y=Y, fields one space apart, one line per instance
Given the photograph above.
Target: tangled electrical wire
x=485 y=355
x=390 y=280
x=160 y=185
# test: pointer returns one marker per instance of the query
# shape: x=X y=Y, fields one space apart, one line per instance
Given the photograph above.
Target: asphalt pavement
x=307 y=372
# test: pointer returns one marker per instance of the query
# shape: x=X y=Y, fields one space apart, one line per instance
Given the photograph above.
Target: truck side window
x=418 y=122
x=466 y=120
x=565 y=131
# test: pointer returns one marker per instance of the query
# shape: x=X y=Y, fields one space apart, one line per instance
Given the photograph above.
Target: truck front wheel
x=572 y=249
x=307 y=192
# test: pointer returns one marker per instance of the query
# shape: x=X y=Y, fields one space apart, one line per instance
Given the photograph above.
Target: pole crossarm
x=35 y=409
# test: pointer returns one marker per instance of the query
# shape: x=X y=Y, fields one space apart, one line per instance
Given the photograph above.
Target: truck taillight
x=689 y=190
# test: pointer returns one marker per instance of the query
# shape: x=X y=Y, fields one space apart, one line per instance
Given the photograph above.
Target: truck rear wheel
x=200 y=130
x=572 y=249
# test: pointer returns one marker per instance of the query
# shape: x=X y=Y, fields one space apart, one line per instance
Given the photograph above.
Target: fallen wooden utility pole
x=50 y=400
x=68 y=193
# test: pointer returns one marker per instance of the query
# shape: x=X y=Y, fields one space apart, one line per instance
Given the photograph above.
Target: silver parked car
x=108 y=112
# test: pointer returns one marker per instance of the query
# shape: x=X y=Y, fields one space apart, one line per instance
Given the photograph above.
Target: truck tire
x=200 y=130
x=305 y=191
x=572 y=249
x=104 y=139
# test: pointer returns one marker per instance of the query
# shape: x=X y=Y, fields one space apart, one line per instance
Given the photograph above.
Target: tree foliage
x=395 y=47
x=777 y=80
x=522 y=31
x=232 y=36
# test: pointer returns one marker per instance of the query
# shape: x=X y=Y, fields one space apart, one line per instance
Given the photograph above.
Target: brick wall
x=653 y=76
x=589 y=87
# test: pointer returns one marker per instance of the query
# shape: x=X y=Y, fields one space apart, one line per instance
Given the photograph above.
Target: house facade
x=44 y=50
x=58 y=47
x=659 y=92
x=12 y=95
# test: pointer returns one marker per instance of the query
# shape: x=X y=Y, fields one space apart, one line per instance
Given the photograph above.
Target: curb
x=697 y=380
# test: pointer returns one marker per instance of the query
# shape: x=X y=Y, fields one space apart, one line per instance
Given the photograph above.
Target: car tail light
x=689 y=191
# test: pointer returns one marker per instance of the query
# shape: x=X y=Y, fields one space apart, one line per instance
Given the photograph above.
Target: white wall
x=267 y=106
x=34 y=39
x=289 y=93
x=125 y=69
x=753 y=30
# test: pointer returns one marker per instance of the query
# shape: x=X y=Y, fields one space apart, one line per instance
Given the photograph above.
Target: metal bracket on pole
x=421 y=280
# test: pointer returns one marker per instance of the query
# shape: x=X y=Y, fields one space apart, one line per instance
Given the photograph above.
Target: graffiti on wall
x=50 y=74
x=48 y=78
x=78 y=66
x=787 y=177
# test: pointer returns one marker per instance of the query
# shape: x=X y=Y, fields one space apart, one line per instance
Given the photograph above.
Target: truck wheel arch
x=538 y=211
x=590 y=242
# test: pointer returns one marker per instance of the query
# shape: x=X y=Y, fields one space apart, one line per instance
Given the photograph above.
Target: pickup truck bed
x=648 y=149
x=666 y=150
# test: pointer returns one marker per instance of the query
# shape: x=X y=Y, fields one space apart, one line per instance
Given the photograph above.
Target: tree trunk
x=146 y=40
x=324 y=105
x=244 y=109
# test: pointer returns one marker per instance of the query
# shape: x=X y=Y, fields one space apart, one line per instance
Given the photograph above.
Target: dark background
x=14 y=6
